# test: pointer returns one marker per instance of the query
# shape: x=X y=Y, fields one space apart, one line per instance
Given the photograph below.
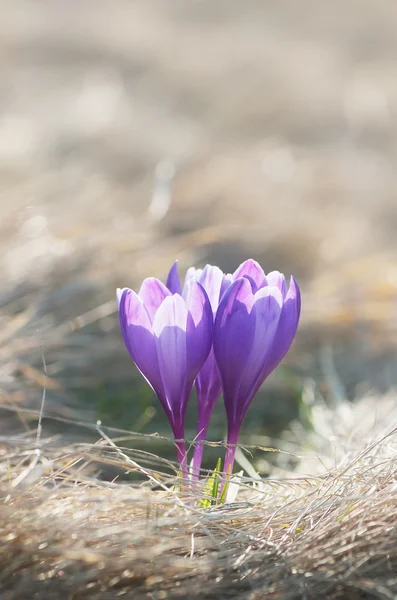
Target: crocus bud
x=255 y=325
x=169 y=338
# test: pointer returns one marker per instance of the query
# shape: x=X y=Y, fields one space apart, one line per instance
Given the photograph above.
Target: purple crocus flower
x=254 y=328
x=208 y=382
x=169 y=337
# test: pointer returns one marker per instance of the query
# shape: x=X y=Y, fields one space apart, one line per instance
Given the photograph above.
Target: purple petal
x=287 y=327
x=254 y=286
x=136 y=330
x=294 y=295
x=209 y=385
x=169 y=329
x=173 y=281
x=153 y=291
x=226 y=283
x=211 y=278
x=192 y=274
x=234 y=333
x=197 y=302
x=199 y=330
x=250 y=268
x=119 y=293
x=277 y=279
x=268 y=307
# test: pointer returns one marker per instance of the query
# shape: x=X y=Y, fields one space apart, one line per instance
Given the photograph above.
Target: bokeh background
x=136 y=132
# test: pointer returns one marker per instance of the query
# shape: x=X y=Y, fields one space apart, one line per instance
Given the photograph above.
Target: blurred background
x=136 y=132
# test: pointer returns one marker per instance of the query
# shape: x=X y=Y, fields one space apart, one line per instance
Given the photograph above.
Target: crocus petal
x=173 y=280
x=119 y=293
x=136 y=330
x=268 y=308
x=192 y=274
x=153 y=291
x=277 y=279
x=169 y=329
x=211 y=278
x=234 y=333
x=287 y=327
x=250 y=268
x=199 y=329
x=209 y=385
x=226 y=283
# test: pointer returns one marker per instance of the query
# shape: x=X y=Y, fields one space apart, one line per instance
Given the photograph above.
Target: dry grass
x=65 y=533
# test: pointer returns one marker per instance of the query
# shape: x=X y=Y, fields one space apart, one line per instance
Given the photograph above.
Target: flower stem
x=231 y=447
x=179 y=435
x=202 y=428
x=182 y=457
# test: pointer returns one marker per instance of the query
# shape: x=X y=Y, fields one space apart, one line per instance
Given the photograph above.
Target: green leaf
x=211 y=488
x=222 y=499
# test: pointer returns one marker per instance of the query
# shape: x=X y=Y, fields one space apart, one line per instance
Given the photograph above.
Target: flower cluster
x=223 y=333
